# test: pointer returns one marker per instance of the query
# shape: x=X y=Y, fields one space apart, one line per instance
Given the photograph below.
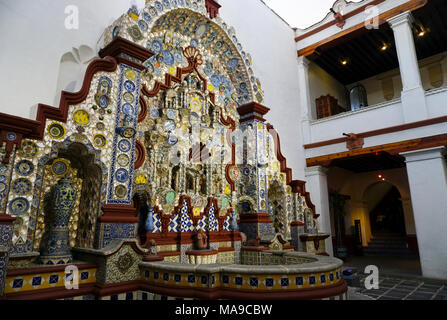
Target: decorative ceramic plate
x=128 y=109
x=234 y=173
x=168 y=58
x=29 y=149
x=121 y=191
x=56 y=131
x=81 y=117
x=99 y=141
x=153 y=11
x=141 y=179
x=128 y=133
x=233 y=63
x=19 y=206
x=172 y=140
x=169 y=125
x=59 y=167
x=115 y=32
x=178 y=55
x=198 y=202
x=143 y=25
x=156 y=46
x=102 y=100
x=131 y=74
x=181 y=20
x=2 y=187
x=172 y=114
x=246 y=171
x=121 y=175
x=124 y=145
x=147 y=17
x=150 y=67
x=158 y=6
x=154 y=113
x=24 y=167
x=170 y=196
x=151 y=123
x=100 y=126
x=129 y=86
x=201 y=30
x=128 y=97
x=135 y=33
x=215 y=80
x=11 y=136
x=22 y=186
x=123 y=160
x=194 y=43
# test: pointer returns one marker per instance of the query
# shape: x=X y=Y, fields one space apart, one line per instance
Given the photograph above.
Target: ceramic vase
x=57 y=248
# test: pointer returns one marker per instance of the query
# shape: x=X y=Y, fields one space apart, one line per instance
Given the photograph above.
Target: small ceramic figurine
x=201 y=240
x=152 y=246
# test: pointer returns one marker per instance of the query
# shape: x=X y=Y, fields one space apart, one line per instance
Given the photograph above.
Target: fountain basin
x=307 y=276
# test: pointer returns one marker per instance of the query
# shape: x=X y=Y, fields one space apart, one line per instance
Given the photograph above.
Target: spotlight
x=420 y=30
x=344 y=61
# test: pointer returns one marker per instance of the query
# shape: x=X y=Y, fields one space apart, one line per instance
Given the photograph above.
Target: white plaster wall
x=373 y=85
x=436 y=102
x=34 y=39
x=271 y=43
x=358 y=121
x=322 y=83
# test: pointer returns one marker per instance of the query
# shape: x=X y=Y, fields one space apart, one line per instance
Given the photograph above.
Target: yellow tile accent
x=27 y=280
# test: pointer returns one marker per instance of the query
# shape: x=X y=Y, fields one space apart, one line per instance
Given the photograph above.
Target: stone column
x=119 y=218
x=317 y=187
x=258 y=222
x=427 y=176
x=305 y=103
x=413 y=94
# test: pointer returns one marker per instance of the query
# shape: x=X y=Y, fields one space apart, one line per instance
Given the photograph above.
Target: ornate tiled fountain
x=159 y=178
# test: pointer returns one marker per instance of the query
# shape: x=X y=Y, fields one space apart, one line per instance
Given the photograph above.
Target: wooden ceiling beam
x=408 y=6
x=391 y=148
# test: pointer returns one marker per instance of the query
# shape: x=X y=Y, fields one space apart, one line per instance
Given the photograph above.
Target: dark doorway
x=388 y=215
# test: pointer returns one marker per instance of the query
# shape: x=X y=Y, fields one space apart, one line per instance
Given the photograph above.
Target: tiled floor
x=391 y=288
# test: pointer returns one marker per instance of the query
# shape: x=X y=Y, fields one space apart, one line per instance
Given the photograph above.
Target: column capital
x=405 y=17
x=316 y=170
x=303 y=62
x=424 y=154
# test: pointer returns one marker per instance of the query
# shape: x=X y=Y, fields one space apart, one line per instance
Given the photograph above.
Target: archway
x=77 y=162
x=384 y=205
